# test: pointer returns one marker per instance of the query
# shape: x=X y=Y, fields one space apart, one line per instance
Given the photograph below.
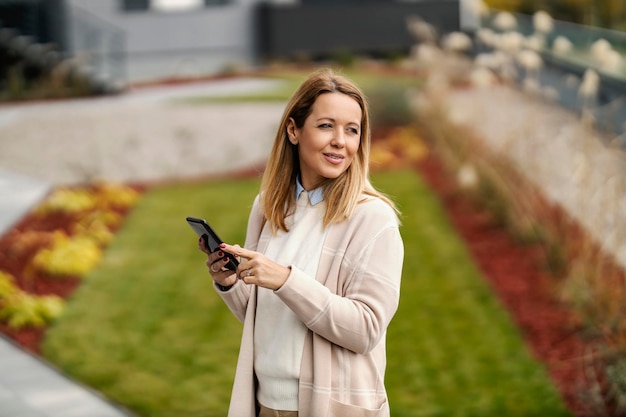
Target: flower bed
x=44 y=257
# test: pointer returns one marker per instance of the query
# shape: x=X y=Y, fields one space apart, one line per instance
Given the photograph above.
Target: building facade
x=131 y=41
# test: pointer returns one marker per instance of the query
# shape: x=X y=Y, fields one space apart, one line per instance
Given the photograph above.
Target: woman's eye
x=325 y=125
x=353 y=131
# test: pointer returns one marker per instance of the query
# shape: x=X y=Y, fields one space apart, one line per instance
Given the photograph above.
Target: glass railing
x=582 y=39
x=587 y=47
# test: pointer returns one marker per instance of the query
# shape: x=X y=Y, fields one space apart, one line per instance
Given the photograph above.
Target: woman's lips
x=334 y=158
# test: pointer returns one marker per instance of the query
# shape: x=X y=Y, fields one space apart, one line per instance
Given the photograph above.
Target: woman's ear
x=291 y=131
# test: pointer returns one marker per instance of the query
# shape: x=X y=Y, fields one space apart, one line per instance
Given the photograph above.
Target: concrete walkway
x=32 y=388
x=152 y=134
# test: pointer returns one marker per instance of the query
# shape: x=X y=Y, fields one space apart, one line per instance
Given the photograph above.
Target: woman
x=320 y=274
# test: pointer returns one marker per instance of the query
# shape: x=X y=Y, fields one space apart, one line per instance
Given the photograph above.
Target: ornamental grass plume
x=612 y=62
x=487 y=37
x=530 y=60
x=491 y=60
x=505 y=21
x=501 y=63
x=550 y=93
x=532 y=87
x=589 y=86
x=532 y=63
x=467 y=177
x=562 y=45
x=543 y=22
x=605 y=57
x=535 y=42
x=599 y=48
x=511 y=42
x=457 y=42
x=507 y=45
x=421 y=30
x=425 y=55
x=482 y=77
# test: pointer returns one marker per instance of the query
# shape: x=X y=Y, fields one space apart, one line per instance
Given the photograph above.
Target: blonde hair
x=341 y=194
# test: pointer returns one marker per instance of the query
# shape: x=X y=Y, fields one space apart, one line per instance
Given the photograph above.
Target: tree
x=609 y=13
x=603 y=13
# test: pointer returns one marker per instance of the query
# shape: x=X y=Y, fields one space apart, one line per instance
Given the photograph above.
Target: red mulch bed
x=514 y=270
x=518 y=275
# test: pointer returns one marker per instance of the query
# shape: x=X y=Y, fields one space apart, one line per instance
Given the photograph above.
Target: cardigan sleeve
x=368 y=286
x=236 y=298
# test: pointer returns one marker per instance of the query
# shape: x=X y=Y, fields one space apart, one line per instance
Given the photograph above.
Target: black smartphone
x=211 y=239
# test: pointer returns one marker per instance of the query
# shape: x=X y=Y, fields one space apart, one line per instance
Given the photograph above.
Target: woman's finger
x=237 y=250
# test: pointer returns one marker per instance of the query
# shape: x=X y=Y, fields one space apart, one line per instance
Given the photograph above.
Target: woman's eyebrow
x=332 y=119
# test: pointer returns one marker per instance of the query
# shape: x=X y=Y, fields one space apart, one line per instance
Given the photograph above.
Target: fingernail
x=222 y=245
x=220 y=253
x=225 y=259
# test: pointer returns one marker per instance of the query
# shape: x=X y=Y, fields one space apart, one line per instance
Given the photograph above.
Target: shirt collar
x=315 y=196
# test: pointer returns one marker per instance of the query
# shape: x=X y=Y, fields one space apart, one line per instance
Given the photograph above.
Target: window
x=135 y=5
x=168 y=5
x=175 y=5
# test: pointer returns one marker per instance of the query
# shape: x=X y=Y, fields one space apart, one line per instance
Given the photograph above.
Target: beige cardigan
x=347 y=309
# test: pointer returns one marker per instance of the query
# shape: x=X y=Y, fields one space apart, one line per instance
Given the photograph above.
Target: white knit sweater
x=279 y=334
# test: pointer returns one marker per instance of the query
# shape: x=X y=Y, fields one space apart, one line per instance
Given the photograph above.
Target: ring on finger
x=212 y=268
x=248 y=272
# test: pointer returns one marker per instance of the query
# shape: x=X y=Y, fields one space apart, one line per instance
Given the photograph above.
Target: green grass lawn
x=147 y=330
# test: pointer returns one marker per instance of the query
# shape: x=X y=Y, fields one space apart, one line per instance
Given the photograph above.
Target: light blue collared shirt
x=315 y=196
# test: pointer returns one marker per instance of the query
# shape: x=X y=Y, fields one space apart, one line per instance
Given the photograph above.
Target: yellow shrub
x=67 y=200
x=68 y=256
x=7 y=285
x=116 y=195
x=95 y=228
x=26 y=310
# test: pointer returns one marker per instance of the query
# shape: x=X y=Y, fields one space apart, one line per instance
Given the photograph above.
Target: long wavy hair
x=341 y=194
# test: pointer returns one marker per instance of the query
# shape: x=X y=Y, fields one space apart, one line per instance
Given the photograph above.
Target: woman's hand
x=255 y=268
x=216 y=262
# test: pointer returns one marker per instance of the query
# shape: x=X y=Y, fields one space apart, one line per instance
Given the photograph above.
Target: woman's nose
x=339 y=139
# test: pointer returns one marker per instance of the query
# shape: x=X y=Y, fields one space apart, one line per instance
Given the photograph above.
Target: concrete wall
x=470 y=15
x=164 y=44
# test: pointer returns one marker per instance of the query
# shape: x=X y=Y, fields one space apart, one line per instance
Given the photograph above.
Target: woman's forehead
x=337 y=106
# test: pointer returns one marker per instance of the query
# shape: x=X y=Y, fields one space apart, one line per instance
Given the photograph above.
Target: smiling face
x=329 y=138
